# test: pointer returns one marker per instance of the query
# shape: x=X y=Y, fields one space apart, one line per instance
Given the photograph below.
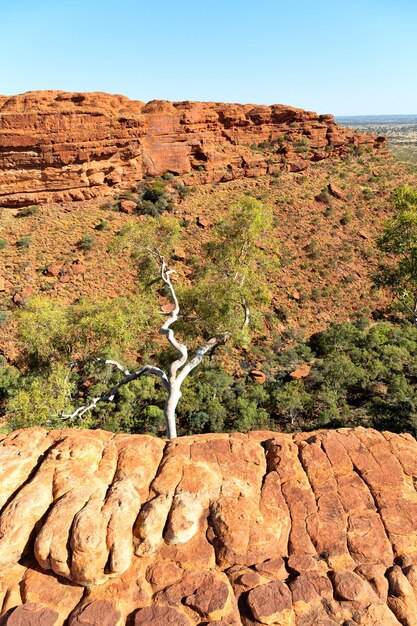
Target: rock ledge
x=58 y=146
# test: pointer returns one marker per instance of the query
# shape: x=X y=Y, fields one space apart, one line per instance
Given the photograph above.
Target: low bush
x=324 y=196
x=87 y=242
x=24 y=242
x=28 y=211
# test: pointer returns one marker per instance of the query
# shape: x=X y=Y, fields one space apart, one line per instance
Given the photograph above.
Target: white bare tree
x=178 y=371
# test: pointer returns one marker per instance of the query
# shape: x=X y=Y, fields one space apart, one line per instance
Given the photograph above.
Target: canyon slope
x=265 y=528
x=59 y=146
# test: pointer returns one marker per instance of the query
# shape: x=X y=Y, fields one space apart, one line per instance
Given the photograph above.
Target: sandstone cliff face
x=73 y=146
x=111 y=530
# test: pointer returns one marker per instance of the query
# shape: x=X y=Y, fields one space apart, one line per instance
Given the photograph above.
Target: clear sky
x=346 y=57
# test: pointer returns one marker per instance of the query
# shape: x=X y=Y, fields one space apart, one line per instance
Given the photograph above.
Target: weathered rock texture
x=306 y=530
x=73 y=146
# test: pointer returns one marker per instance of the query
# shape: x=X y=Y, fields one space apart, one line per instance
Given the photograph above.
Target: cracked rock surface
x=311 y=529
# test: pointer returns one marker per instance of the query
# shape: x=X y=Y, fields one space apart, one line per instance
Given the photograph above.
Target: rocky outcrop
x=73 y=146
x=111 y=530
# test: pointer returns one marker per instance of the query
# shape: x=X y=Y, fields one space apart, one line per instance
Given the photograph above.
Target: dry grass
x=327 y=252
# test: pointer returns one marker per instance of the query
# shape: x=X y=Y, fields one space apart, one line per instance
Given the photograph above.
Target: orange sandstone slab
x=223 y=529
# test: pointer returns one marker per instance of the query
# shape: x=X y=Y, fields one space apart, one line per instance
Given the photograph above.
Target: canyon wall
x=314 y=529
x=57 y=146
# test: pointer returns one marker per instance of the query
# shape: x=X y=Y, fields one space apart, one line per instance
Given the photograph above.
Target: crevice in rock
x=32 y=474
x=214 y=540
x=77 y=607
x=5 y=617
x=268 y=468
x=304 y=468
x=317 y=511
x=403 y=621
x=157 y=473
x=174 y=493
x=49 y=190
x=116 y=469
x=149 y=499
x=373 y=498
x=243 y=606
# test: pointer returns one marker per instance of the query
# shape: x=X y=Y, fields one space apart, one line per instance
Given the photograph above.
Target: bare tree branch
x=109 y=395
x=211 y=345
x=116 y=364
x=246 y=310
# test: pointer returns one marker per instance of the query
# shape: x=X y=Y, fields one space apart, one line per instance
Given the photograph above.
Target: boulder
x=302 y=371
x=336 y=192
x=258 y=376
x=128 y=206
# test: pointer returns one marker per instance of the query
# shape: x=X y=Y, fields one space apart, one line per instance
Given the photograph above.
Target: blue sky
x=346 y=57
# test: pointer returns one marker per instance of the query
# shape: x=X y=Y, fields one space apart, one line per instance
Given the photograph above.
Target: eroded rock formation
x=112 y=530
x=73 y=146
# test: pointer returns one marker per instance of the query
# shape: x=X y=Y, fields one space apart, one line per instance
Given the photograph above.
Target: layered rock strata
x=57 y=146
x=111 y=530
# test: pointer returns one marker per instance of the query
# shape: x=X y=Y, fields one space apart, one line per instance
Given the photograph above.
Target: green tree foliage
x=360 y=375
x=69 y=343
x=230 y=286
x=291 y=401
x=151 y=197
x=154 y=198
x=61 y=348
x=399 y=242
x=40 y=399
x=140 y=240
x=51 y=332
x=9 y=377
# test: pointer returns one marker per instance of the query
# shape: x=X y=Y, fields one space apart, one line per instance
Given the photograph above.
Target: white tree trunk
x=179 y=370
x=171 y=404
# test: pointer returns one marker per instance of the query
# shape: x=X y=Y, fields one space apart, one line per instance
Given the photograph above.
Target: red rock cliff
x=316 y=529
x=73 y=146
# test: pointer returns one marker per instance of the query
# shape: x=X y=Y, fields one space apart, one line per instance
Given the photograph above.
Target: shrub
x=263 y=146
x=8 y=380
x=368 y=194
x=154 y=199
x=24 y=242
x=183 y=191
x=29 y=211
x=302 y=146
x=3 y=243
x=87 y=242
x=324 y=196
x=40 y=400
x=101 y=225
x=313 y=250
x=345 y=219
